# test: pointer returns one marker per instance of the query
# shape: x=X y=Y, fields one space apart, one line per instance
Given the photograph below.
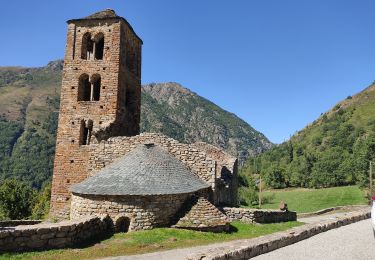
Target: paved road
x=342 y=237
x=352 y=242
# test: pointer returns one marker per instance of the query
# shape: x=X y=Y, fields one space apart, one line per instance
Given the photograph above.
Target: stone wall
x=144 y=212
x=14 y=223
x=226 y=183
x=58 y=235
x=259 y=215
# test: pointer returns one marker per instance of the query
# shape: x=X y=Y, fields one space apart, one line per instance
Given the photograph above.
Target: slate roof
x=146 y=170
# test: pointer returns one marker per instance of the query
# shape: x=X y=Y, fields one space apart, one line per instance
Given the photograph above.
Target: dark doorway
x=122 y=224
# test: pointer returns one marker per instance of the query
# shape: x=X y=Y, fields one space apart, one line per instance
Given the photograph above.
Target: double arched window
x=92 y=48
x=89 y=89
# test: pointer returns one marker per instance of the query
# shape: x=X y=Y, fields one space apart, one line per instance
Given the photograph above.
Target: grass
x=310 y=200
x=154 y=240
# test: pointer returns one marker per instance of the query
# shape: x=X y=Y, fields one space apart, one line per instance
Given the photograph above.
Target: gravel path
x=355 y=241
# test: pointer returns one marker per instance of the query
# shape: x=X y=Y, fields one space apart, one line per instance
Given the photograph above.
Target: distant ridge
x=29 y=104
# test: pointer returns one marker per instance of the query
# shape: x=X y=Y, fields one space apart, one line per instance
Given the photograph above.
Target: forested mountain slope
x=29 y=105
x=334 y=150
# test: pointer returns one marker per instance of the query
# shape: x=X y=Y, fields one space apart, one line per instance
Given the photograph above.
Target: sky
x=276 y=64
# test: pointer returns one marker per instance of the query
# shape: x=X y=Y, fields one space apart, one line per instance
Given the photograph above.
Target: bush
x=248 y=196
x=16 y=199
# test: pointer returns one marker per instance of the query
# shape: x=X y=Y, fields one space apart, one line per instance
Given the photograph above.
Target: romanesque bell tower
x=100 y=96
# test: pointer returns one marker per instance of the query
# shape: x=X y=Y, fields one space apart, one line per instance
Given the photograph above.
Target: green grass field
x=154 y=240
x=310 y=200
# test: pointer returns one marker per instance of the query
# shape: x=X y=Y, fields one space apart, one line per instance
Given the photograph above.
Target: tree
x=275 y=177
x=16 y=199
x=42 y=204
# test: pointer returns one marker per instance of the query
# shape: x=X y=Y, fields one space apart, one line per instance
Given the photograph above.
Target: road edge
x=245 y=249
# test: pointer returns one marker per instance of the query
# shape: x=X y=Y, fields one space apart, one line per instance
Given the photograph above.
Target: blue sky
x=276 y=64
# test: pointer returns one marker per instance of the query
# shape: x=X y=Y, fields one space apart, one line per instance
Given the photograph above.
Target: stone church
x=104 y=165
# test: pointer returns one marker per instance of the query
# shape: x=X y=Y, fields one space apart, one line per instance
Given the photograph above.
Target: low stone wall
x=249 y=248
x=14 y=223
x=54 y=235
x=259 y=215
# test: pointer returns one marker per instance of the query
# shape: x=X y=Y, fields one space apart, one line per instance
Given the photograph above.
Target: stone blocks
x=54 y=235
x=259 y=215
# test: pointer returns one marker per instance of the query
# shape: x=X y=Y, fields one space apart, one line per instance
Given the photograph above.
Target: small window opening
x=84 y=88
x=86 y=130
x=99 y=46
x=87 y=48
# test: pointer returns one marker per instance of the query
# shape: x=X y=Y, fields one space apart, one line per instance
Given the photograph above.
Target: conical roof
x=146 y=170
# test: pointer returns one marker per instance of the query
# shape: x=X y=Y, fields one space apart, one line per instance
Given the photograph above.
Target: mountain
x=176 y=111
x=29 y=105
x=334 y=150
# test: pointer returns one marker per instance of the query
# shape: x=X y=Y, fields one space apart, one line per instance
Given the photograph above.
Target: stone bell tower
x=100 y=96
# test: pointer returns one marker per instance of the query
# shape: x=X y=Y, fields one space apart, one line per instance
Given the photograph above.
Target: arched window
x=85 y=133
x=89 y=90
x=87 y=48
x=99 y=46
x=96 y=85
x=84 y=88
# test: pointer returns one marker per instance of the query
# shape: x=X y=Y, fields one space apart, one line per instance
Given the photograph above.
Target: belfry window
x=89 y=91
x=87 y=48
x=84 y=88
x=99 y=46
x=86 y=130
x=95 y=85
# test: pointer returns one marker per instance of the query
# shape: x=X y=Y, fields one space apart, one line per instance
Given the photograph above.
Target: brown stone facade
x=143 y=212
x=100 y=97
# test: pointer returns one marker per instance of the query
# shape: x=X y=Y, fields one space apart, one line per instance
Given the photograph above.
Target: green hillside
x=29 y=104
x=334 y=150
